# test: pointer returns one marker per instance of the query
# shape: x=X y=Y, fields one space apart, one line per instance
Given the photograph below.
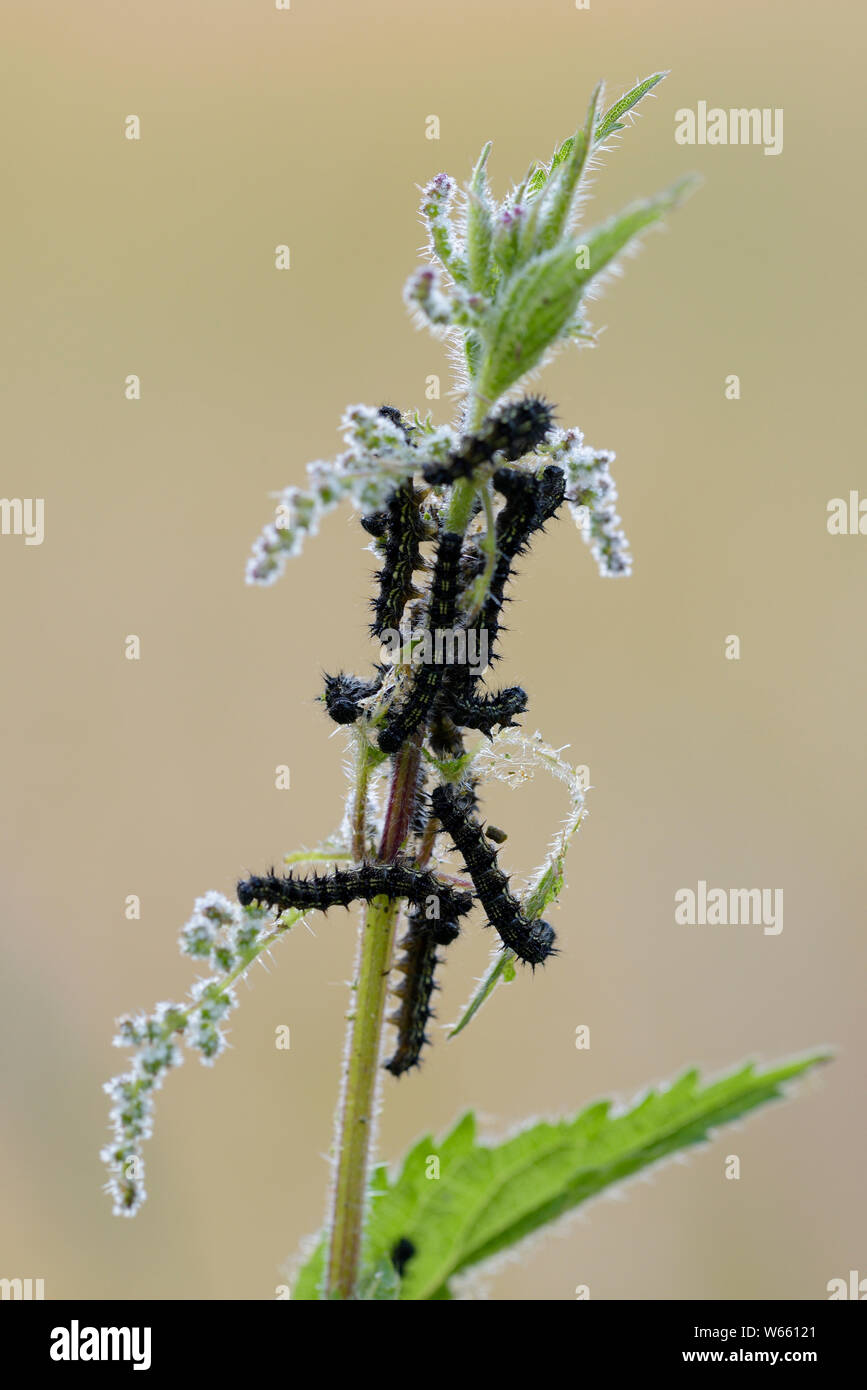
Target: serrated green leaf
x=597 y=129
x=537 y=180
x=610 y=239
x=537 y=303
x=563 y=153
x=461 y=1202
x=397 y=1205
x=611 y=120
x=489 y=1197
x=533 y=307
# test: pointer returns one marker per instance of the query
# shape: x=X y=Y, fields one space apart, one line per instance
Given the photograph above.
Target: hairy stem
x=363 y=768
x=461 y=505
x=480 y=589
x=460 y=509
x=358 y=1100
x=401 y=799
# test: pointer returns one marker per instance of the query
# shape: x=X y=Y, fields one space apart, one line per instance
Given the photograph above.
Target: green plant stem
x=464 y=490
x=459 y=513
x=461 y=505
x=481 y=588
x=361 y=1074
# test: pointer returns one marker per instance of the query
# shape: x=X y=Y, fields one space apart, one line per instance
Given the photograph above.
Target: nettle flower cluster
x=226 y=937
x=379 y=456
x=450 y=510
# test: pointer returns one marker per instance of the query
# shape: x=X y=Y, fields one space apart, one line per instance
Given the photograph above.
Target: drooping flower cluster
x=591 y=494
x=227 y=936
x=377 y=459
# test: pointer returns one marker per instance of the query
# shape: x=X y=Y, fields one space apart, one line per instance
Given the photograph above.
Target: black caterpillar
x=400 y=527
x=482 y=712
x=403 y=533
x=402 y=719
x=342 y=887
x=530 y=503
x=531 y=941
x=518 y=429
x=419 y=961
x=376 y=523
x=418 y=966
x=392 y=413
x=343 y=694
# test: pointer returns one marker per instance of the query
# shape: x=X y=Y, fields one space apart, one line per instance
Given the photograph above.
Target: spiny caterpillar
x=418 y=966
x=517 y=430
x=343 y=694
x=482 y=712
x=450 y=700
x=403 y=718
x=530 y=503
x=401 y=558
x=342 y=887
x=531 y=941
x=376 y=523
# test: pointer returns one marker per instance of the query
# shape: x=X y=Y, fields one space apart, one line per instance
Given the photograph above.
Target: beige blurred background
x=156 y=777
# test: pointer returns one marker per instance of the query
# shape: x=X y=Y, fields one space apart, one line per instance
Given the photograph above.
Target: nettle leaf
x=398 y=1207
x=537 y=304
x=461 y=1202
x=600 y=128
x=506 y=1192
x=404 y=1198
x=621 y=232
x=611 y=121
x=534 y=307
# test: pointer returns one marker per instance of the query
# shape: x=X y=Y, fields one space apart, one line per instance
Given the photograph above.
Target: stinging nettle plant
x=450 y=510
